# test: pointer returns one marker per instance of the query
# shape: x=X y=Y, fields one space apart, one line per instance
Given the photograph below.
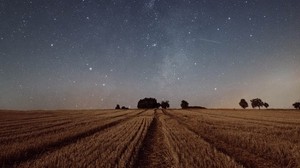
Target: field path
x=154 y=151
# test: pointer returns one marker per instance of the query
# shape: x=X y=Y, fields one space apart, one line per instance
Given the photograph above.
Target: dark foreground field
x=150 y=138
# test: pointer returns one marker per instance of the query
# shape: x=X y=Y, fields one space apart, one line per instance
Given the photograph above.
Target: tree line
x=254 y=103
x=259 y=103
x=151 y=103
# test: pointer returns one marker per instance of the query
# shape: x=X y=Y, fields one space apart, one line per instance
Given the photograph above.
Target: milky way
x=67 y=54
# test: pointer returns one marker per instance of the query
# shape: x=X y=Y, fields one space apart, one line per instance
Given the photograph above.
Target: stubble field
x=150 y=138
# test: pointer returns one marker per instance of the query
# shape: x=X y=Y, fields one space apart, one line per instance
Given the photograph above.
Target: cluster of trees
x=165 y=104
x=123 y=107
x=259 y=103
x=254 y=103
x=150 y=103
x=297 y=105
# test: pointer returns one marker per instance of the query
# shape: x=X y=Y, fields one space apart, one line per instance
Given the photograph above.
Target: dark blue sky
x=94 y=54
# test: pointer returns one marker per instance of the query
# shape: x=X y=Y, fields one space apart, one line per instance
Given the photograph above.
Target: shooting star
x=210 y=41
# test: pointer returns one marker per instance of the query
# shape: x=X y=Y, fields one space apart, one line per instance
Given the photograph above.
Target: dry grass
x=253 y=138
x=153 y=138
x=20 y=147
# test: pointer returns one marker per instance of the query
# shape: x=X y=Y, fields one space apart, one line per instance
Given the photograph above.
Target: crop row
x=253 y=145
x=26 y=149
x=113 y=147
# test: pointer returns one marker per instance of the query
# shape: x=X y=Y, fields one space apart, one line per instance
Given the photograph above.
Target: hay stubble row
x=150 y=138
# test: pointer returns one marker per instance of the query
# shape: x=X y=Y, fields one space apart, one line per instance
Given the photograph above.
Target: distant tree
x=297 y=105
x=158 y=105
x=117 y=107
x=184 y=104
x=266 y=104
x=165 y=104
x=148 y=103
x=257 y=103
x=243 y=103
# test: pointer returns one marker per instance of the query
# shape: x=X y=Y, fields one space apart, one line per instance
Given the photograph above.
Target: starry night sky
x=67 y=54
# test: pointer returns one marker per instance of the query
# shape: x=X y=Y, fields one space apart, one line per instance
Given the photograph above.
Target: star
x=180 y=49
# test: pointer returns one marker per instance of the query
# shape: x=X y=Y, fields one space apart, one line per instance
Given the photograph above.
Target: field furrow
x=191 y=149
x=26 y=150
x=245 y=145
x=58 y=126
x=23 y=124
x=265 y=117
x=155 y=151
x=150 y=138
x=116 y=146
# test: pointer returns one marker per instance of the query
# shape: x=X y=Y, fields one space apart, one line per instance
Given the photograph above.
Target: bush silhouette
x=196 y=107
x=148 y=103
x=184 y=104
x=117 y=107
x=257 y=103
x=243 y=103
x=297 y=105
x=165 y=104
x=266 y=105
x=124 y=108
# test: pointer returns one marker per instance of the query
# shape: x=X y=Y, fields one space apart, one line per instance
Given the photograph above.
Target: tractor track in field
x=241 y=156
x=154 y=151
x=35 y=152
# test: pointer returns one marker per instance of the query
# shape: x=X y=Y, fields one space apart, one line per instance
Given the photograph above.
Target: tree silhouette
x=124 y=108
x=266 y=104
x=148 y=103
x=297 y=105
x=243 y=103
x=184 y=104
x=117 y=107
x=165 y=104
x=257 y=103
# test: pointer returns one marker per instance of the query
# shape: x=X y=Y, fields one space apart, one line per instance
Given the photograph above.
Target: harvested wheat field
x=150 y=138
